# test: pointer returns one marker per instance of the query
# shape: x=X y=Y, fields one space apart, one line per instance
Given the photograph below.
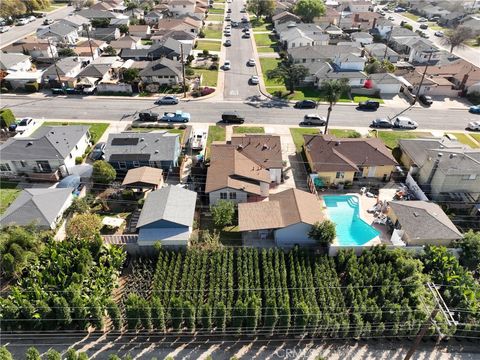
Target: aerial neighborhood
x=196 y=170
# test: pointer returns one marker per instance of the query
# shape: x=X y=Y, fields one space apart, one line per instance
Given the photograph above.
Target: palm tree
x=290 y=74
x=331 y=91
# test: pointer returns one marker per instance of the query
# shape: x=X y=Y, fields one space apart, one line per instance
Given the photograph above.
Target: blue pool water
x=351 y=229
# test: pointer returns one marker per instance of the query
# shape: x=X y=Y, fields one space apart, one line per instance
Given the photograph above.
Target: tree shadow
x=258 y=102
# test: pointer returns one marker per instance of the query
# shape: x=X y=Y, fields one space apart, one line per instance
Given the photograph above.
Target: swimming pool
x=343 y=210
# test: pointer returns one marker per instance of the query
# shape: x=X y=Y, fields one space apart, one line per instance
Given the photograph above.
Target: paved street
x=466 y=52
x=236 y=79
x=271 y=112
x=18 y=32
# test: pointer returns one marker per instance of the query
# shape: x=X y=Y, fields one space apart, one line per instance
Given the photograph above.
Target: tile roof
x=265 y=150
x=329 y=153
x=424 y=220
x=144 y=174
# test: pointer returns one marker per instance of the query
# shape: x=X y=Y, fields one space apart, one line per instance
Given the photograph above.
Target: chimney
x=374 y=23
x=464 y=81
x=362 y=54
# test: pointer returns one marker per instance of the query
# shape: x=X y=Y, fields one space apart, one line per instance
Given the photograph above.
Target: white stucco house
x=12 y=62
x=298 y=35
x=348 y=62
x=182 y=7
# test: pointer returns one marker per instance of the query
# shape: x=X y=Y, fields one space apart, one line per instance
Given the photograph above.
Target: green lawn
x=209 y=77
x=96 y=129
x=213 y=31
x=269 y=64
x=208 y=45
x=264 y=39
x=53 y=7
x=248 y=130
x=472 y=42
x=358 y=98
x=146 y=42
x=8 y=193
x=217 y=11
x=465 y=139
x=267 y=49
x=300 y=94
x=476 y=137
x=214 y=17
x=344 y=133
x=434 y=26
x=219 y=1
x=410 y=16
x=260 y=25
x=215 y=133
x=390 y=138
x=297 y=135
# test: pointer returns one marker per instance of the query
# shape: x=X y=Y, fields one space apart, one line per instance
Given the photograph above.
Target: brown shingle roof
x=230 y=168
x=265 y=150
x=329 y=153
x=260 y=215
x=145 y=175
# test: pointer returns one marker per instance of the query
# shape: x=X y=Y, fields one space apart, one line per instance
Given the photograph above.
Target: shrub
x=6 y=117
x=128 y=194
x=206 y=91
x=201 y=34
x=189 y=71
x=213 y=67
x=32 y=86
x=4 y=90
x=103 y=172
x=205 y=53
x=84 y=226
x=408 y=26
x=474 y=97
x=354 y=134
x=190 y=58
x=78 y=160
x=214 y=57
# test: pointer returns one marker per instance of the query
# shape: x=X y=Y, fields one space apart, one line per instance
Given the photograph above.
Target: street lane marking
x=233 y=93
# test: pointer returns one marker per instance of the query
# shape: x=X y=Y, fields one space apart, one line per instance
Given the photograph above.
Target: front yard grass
x=208 y=45
x=476 y=137
x=359 y=98
x=473 y=42
x=213 y=17
x=297 y=136
x=219 y=1
x=269 y=64
x=265 y=39
x=213 y=31
x=308 y=93
x=8 y=194
x=465 y=139
x=215 y=133
x=96 y=129
x=209 y=77
x=344 y=133
x=259 y=24
x=217 y=11
x=390 y=138
x=248 y=130
x=146 y=42
x=267 y=49
x=410 y=16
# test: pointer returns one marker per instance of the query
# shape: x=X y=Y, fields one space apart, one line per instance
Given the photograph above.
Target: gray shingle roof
x=12 y=59
x=378 y=50
x=157 y=146
x=64 y=65
x=95 y=70
x=39 y=206
x=162 y=67
x=96 y=14
x=48 y=142
x=172 y=203
x=322 y=51
x=61 y=29
x=416 y=149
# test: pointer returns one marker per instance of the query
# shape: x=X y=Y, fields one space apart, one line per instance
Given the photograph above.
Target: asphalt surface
x=259 y=112
x=237 y=78
x=18 y=32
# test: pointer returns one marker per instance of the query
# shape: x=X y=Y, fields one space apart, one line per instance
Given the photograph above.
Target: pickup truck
x=177 y=116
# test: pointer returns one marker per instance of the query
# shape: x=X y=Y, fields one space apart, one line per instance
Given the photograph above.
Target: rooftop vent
x=415 y=214
x=156 y=151
x=142 y=139
x=453 y=156
x=264 y=147
x=29 y=143
x=240 y=147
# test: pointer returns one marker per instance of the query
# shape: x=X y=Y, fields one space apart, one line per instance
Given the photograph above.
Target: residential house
x=187 y=24
x=288 y=216
x=12 y=62
x=339 y=160
x=420 y=223
x=264 y=150
x=163 y=71
x=331 y=16
x=19 y=79
x=303 y=35
x=180 y=35
x=382 y=27
x=93 y=74
x=363 y=21
x=442 y=167
x=60 y=32
x=381 y=51
x=126 y=42
x=362 y=38
x=235 y=177
x=78 y=22
x=49 y=151
x=431 y=85
x=472 y=22
x=92 y=14
x=385 y=83
x=430 y=11
x=153 y=17
x=90 y=48
x=102 y=6
x=360 y=6
x=43 y=208
x=135 y=149
x=349 y=62
x=181 y=7
x=105 y=34
x=421 y=51
x=169 y=48
x=167 y=217
x=451 y=20
x=334 y=32
x=397 y=38
x=143 y=179
x=320 y=71
x=285 y=17
x=140 y=31
x=118 y=22
x=310 y=54
x=38 y=49
x=67 y=68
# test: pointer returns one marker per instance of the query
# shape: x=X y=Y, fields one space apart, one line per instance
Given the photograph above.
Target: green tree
x=66 y=52
x=323 y=232
x=82 y=356
x=145 y=313
x=7 y=117
x=309 y=9
x=115 y=315
x=53 y=355
x=96 y=312
x=71 y=354
x=130 y=75
x=284 y=316
x=109 y=51
x=176 y=306
x=32 y=354
x=158 y=315
x=253 y=312
x=189 y=315
x=131 y=6
x=238 y=316
x=223 y=213
x=12 y=8
x=206 y=317
x=62 y=311
x=301 y=316
x=457 y=37
x=271 y=316
x=332 y=91
x=375 y=66
x=84 y=226
x=80 y=205
x=470 y=245
x=5 y=354
x=290 y=74
x=100 y=23
x=103 y=172
x=123 y=29
x=220 y=317
x=407 y=26
x=261 y=7
x=132 y=311
x=114 y=357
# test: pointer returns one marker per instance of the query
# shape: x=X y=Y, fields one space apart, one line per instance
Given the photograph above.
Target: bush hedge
x=6 y=117
x=32 y=86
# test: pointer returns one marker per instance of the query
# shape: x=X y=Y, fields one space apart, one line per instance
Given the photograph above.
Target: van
x=232 y=117
x=404 y=122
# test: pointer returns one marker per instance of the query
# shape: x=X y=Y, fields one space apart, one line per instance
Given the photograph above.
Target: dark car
x=147 y=116
x=98 y=151
x=381 y=123
x=425 y=100
x=306 y=104
x=233 y=117
x=227 y=43
x=424 y=26
x=368 y=105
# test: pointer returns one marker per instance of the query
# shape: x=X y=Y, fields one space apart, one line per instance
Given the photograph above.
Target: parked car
x=254 y=80
x=368 y=105
x=381 y=123
x=425 y=100
x=314 y=119
x=47 y=22
x=251 y=62
x=31 y=18
x=227 y=43
x=232 y=117
x=228 y=18
x=438 y=33
x=147 y=116
x=246 y=35
x=98 y=151
x=474 y=125
x=403 y=122
x=245 y=19
x=177 y=116
x=234 y=24
x=474 y=109
x=227 y=65
x=167 y=100
x=24 y=125
x=229 y=10
x=424 y=26
x=21 y=22
x=399 y=9
x=422 y=20
x=4 y=29
x=227 y=32
x=305 y=104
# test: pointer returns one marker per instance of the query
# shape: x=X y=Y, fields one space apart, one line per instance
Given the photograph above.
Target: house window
x=362 y=81
x=469 y=177
x=223 y=195
x=23 y=163
x=233 y=196
x=44 y=166
x=136 y=164
x=5 y=167
x=122 y=165
x=304 y=60
x=76 y=147
x=70 y=156
x=340 y=175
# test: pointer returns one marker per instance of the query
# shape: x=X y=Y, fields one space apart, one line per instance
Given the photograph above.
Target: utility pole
x=89 y=43
x=55 y=58
x=182 y=60
x=421 y=333
x=423 y=77
x=386 y=45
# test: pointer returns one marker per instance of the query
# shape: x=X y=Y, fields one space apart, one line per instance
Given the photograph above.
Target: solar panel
x=129 y=157
x=125 y=141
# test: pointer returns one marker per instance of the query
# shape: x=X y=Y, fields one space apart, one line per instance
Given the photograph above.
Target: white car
x=24 y=125
x=403 y=122
x=474 y=125
x=22 y=21
x=439 y=33
x=227 y=65
x=314 y=119
x=4 y=29
x=251 y=62
x=254 y=80
x=31 y=19
x=422 y=19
